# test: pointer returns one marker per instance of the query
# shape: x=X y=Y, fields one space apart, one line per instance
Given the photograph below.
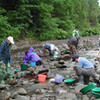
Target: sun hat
x=10 y=38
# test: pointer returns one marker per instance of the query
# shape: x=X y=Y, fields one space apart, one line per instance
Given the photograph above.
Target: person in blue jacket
x=85 y=68
x=5 y=66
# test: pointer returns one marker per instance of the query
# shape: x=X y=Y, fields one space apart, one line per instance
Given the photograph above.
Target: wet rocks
x=4 y=95
x=2 y=86
x=29 y=88
x=61 y=62
x=19 y=97
x=65 y=57
x=43 y=71
x=21 y=91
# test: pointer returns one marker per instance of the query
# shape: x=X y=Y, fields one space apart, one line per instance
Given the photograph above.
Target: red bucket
x=42 y=78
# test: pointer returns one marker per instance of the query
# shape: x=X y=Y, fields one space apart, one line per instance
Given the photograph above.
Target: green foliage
x=91 y=31
x=48 y=19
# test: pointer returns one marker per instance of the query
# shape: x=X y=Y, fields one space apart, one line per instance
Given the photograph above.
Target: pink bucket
x=42 y=78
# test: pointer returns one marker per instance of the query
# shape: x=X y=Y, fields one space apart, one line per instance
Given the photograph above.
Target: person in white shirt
x=50 y=48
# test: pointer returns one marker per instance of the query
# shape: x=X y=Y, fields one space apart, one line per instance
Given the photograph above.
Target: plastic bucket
x=24 y=67
x=42 y=78
x=33 y=51
x=32 y=64
x=55 y=55
x=58 y=78
x=10 y=61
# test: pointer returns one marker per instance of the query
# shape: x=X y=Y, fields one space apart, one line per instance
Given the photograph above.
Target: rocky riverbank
x=27 y=86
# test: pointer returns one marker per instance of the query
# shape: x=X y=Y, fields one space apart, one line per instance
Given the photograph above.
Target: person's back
x=84 y=63
x=30 y=56
x=72 y=41
x=47 y=45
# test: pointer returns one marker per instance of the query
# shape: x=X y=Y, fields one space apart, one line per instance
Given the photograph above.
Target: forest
x=48 y=19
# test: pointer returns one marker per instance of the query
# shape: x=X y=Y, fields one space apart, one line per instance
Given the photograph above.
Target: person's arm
x=2 y=46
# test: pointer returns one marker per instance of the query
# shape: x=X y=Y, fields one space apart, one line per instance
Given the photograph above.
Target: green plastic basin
x=96 y=95
x=96 y=92
x=88 y=88
x=24 y=67
x=97 y=89
x=70 y=81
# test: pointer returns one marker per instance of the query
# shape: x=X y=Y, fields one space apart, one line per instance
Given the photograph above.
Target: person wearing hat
x=85 y=68
x=31 y=56
x=5 y=59
x=50 y=48
x=76 y=32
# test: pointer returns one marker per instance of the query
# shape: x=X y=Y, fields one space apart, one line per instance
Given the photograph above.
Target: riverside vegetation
x=48 y=19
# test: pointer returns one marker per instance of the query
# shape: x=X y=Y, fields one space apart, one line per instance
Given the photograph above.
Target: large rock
x=4 y=95
x=61 y=62
x=65 y=46
x=22 y=98
x=2 y=86
x=61 y=90
x=44 y=71
x=85 y=97
x=21 y=91
x=65 y=57
x=14 y=95
x=67 y=96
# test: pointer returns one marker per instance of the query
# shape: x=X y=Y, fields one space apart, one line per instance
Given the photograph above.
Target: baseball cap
x=74 y=57
x=10 y=38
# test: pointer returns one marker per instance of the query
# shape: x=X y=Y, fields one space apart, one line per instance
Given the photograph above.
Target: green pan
x=96 y=92
x=96 y=95
x=88 y=88
x=70 y=81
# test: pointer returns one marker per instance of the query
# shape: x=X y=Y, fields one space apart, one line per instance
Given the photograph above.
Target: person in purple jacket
x=31 y=56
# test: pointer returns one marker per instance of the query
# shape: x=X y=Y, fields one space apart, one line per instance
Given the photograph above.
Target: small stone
x=85 y=97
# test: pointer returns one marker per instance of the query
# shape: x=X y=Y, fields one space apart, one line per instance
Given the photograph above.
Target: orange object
x=42 y=78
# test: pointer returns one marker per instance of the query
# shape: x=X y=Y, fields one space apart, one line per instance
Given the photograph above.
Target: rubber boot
x=2 y=79
x=2 y=82
x=10 y=79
